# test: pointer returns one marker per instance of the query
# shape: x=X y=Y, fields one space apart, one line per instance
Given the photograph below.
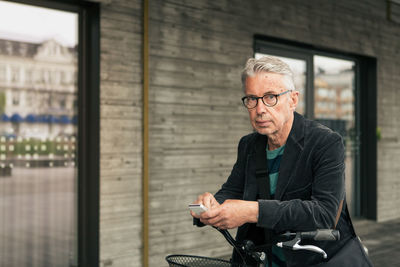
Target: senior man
x=305 y=163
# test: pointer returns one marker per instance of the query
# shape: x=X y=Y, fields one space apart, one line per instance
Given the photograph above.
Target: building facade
x=37 y=85
x=197 y=50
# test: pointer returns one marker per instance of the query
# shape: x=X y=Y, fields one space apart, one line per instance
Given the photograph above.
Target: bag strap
x=342 y=202
x=347 y=214
x=338 y=213
x=263 y=186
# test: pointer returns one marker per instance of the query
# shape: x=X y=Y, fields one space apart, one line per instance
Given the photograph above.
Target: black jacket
x=309 y=189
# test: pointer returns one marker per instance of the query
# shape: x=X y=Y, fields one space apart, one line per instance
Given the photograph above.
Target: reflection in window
x=62 y=102
x=29 y=98
x=335 y=107
x=37 y=137
x=15 y=74
x=298 y=68
x=334 y=83
x=3 y=73
x=28 y=76
x=15 y=98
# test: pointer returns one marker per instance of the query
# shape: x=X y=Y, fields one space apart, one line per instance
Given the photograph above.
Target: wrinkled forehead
x=269 y=80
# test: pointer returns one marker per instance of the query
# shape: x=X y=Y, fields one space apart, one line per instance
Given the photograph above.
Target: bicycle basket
x=197 y=261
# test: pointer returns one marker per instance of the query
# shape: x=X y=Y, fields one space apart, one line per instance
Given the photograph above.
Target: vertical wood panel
x=121 y=142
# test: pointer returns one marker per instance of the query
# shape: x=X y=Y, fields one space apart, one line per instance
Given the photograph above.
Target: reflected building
x=334 y=97
x=38 y=105
x=334 y=107
x=37 y=89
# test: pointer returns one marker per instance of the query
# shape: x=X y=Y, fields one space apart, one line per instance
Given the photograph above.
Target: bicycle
x=288 y=240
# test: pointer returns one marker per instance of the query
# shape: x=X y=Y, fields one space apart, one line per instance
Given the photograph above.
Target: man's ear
x=294 y=96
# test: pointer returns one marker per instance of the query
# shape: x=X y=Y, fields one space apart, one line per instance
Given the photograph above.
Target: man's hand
x=208 y=200
x=231 y=214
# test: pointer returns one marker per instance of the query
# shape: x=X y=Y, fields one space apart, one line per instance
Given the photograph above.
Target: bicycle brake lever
x=311 y=248
x=294 y=245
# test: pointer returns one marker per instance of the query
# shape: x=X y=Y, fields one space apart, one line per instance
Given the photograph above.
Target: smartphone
x=197 y=208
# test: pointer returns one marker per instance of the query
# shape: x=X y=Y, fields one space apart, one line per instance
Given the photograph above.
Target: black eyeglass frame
x=262 y=99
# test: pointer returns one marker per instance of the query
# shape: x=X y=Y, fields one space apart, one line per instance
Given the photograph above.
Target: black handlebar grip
x=197 y=222
x=322 y=235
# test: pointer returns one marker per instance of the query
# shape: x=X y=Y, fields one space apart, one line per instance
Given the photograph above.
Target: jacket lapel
x=293 y=148
x=251 y=181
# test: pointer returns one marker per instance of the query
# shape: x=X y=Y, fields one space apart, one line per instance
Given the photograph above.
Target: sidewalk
x=382 y=241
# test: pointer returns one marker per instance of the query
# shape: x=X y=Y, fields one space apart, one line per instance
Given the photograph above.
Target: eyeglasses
x=269 y=100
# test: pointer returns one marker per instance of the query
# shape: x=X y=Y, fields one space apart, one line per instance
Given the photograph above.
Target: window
x=15 y=74
x=28 y=76
x=334 y=77
x=332 y=84
x=49 y=188
x=39 y=192
x=30 y=99
x=62 y=102
x=2 y=74
x=15 y=98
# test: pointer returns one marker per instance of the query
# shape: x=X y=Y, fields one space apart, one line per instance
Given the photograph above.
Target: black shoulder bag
x=352 y=254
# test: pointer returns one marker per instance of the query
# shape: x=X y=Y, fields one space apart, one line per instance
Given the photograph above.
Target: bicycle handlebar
x=290 y=240
x=318 y=235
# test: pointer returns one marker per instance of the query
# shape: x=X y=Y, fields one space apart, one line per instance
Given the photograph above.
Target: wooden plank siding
x=196 y=122
x=121 y=86
x=197 y=51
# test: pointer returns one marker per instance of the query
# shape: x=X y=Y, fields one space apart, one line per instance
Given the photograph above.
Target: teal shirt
x=274 y=161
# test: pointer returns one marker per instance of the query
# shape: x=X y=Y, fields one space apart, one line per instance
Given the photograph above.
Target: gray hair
x=268 y=64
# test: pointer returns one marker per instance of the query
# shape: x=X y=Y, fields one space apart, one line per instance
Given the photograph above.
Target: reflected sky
x=333 y=65
x=33 y=24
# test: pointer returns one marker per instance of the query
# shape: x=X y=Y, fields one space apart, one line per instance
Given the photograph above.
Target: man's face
x=270 y=120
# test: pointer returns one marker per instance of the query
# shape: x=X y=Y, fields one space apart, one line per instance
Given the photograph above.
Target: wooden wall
x=197 y=50
x=196 y=120
x=121 y=133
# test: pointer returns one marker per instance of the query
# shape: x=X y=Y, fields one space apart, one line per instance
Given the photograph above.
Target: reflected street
x=38 y=221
